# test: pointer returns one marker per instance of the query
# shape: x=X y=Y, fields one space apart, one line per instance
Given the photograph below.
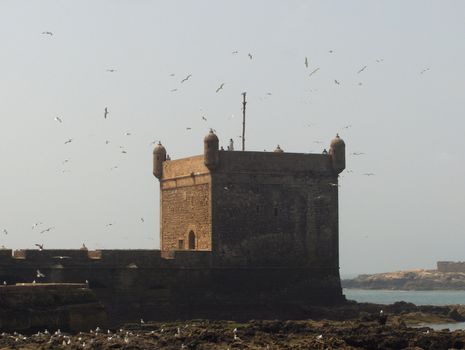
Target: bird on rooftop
x=47 y=229
x=314 y=71
x=186 y=78
x=220 y=87
x=40 y=246
x=105 y=113
x=362 y=69
x=68 y=141
x=58 y=119
x=47 y=33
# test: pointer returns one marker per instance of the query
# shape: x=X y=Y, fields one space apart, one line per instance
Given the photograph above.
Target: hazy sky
x=406 y=110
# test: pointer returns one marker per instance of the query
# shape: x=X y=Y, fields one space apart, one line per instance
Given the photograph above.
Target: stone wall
x=185 y=217
x=451 y=266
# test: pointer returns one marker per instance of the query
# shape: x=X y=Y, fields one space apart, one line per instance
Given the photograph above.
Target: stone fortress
x=242 y=235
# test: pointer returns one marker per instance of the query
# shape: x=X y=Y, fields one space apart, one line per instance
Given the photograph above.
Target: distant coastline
x=418 y=279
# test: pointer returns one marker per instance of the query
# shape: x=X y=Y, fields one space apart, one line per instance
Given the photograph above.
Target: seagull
x=47 y=33
x=306 y=62
x=368 y=174
x=186 y=78
x=105 y=113
x=111 y=70
x=68 y=141
x=47 y=229
x=220 y=87
x=40 y=274
x=362 y=69
x=142 y=321
x=58 y=119
x=314 y=71
x=235 y=52
x=424 y=70
x=250 y=55
x=40 y=246
x=203 y=118
x=336 y=82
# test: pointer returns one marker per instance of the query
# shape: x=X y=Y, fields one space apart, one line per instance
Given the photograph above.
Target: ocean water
x=429 y=297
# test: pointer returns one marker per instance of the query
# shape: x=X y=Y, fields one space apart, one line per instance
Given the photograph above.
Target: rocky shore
x=352 y=326
x=409 y=280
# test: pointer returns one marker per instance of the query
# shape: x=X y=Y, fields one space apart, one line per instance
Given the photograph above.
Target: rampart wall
x=451 y=266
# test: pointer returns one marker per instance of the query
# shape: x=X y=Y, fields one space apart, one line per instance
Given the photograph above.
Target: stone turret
x=211 y=150
x=337 y=152
x=159 y=156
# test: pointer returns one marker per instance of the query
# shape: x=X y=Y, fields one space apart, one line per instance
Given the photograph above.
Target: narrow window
x=191 y=240
x=181 y=244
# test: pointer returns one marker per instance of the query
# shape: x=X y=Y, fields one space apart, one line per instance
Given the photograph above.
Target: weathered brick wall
x=185 y=204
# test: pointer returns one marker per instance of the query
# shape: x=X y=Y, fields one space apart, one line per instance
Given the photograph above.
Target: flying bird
x=368 y=174
x=357 y=153
x=314 y=71
x=173 y=90
x=58 y=119
x=331 y=51
x=36 y=224
x=40 y=246
x=142 y=220
x=47 y=33
x=188 y=128
x=47 y=229
x=186 y=78
x=115 y=167
x=5 y=231
x=111 y=70
x=203 y=118
x=172 y=75
x=334 y=185
x=127 y=133
x=65 y=161
x=68 y=141
x=235 y=52
x=306 y=62
x=424 y=70
x=347 y=126
x=250 y=55
x=40 y=274
x=220 y=87
x=361 y=70
x=61 y=257
x=105 y=113
x=336 y=82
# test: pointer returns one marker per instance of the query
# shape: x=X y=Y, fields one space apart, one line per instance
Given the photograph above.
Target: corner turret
x=159 y=156
x=210 y=150
x=337 y=152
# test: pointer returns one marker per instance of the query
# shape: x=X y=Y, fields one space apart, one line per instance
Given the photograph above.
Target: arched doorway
x=191 y=240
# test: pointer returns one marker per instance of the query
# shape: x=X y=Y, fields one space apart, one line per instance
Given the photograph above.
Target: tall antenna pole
x=244 y=102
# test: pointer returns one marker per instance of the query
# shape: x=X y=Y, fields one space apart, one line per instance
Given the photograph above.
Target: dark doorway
x=191 y=240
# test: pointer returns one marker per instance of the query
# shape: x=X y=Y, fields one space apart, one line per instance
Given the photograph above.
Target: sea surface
x=429 y=297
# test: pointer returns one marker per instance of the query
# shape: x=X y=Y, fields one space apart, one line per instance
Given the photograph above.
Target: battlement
x=134 y=258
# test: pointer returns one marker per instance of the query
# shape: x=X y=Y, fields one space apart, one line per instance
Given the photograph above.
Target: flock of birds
x=221 y=86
